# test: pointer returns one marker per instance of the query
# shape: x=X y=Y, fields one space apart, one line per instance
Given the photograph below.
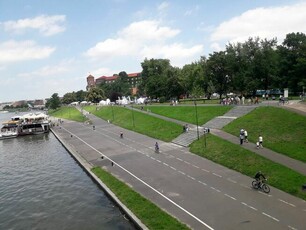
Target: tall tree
x=69 y=98
x=293 y=62
x=95 y=95
x=54 y=102
x=218 y=72
x=155 y=74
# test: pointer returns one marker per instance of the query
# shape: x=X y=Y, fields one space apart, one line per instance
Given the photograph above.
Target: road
x=200 y=193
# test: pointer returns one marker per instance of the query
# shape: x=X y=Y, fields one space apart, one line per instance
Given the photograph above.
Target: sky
x=51 y=46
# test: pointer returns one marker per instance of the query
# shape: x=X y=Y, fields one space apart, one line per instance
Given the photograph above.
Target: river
x=42 y=187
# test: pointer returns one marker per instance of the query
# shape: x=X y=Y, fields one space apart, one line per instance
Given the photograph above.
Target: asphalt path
x=198 y=192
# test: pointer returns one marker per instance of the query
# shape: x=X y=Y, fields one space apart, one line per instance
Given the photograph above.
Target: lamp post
x=196 y=110
x=133 y=116
x=113 y=113
x=227 y=79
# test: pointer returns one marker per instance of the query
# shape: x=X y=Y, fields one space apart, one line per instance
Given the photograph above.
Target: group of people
x=243 y=137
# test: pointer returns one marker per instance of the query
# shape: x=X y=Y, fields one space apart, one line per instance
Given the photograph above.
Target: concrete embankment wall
x=87 y=167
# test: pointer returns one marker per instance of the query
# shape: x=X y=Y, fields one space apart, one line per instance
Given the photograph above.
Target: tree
x=155 y=74
x=95 y=95
x=292 y=64
x=69 y=98
x=54 y=102
x=218 y=72
x=81 y=95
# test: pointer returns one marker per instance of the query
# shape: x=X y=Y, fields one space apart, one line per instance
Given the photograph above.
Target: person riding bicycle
x=156 y=147
x=259 y=177
x=121 y=134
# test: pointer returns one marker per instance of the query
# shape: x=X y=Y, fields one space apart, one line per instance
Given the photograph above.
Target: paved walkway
x=216 y=124
x=195 y=190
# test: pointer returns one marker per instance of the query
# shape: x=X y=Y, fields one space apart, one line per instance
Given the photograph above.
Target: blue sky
x=51 y=46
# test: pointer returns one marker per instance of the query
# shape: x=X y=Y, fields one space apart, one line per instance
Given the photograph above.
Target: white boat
x=9 y=130
x=33 y=123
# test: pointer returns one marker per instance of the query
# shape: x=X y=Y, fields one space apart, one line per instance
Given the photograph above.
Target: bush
x=162 y=100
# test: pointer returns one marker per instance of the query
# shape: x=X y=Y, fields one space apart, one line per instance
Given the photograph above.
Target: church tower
x=90 y=82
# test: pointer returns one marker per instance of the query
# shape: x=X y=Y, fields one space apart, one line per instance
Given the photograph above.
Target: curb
x=87 y=167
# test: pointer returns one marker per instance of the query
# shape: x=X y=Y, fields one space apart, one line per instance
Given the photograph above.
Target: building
x=134 y=80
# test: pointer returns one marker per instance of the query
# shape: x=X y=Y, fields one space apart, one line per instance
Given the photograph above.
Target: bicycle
x=257 y=184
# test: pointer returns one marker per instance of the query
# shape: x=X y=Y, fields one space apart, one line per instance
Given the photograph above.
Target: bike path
x=200 y=193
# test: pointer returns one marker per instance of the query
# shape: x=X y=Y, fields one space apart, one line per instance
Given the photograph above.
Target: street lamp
x=196 y=110
x=227 y=79
x=133 y=116
x=113 y=113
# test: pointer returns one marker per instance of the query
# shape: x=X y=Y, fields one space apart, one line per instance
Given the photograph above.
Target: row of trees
x=242 y=68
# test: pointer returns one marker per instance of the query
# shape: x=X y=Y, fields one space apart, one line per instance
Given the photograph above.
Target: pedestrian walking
x=246 y=136
x=241 y=137
x=257 y=144
x=260 y=140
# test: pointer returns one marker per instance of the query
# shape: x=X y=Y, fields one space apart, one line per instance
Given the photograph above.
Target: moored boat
x=33 y=123
x=9 y=130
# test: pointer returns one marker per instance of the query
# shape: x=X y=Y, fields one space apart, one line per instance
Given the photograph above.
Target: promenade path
x=198 y=192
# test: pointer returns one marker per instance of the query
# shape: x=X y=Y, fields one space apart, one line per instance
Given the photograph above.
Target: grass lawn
x=137 y=121
x=150 y=215
x=188 y=113
x=69 y=113
x=283 y=131
x=248 y=163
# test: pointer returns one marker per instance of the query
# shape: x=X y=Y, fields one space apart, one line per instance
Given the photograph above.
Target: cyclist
x=156 y=147
x=259 y=177
x=121 y=134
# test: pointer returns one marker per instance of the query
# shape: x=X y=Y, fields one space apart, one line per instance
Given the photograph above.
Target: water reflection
x=42 y=187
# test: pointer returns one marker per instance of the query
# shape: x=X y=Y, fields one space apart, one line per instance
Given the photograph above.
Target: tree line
x=242 y=68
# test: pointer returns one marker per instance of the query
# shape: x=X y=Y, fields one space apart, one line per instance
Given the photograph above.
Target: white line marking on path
x=168 y=199
x=217 y=175
x=195 y=166
x=249 y=206
x=233 y=198
x=287 y=202
x=217 y=190
x=191 y=177
x=179 y=159
x=202 y=182
x=205 y=170
x=273 y=218
x=291 y=227
x=182 y=172
x=229 y=179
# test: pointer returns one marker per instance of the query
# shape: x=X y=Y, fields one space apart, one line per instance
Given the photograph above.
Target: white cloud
x=104 y=71
x=148 y=30
x=13 y=51
x=46 y=25
x=215 y=46
x=176 y=53
x=192 y=11
x=162 y=6
x=264 y=23
x=145 y=39
x=47 y=71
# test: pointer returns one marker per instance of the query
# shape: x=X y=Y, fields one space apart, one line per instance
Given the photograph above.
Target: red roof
x=108 y=78
x=133 y=74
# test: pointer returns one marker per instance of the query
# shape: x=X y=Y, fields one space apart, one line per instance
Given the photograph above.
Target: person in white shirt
x=246 y=136
x=260 y=140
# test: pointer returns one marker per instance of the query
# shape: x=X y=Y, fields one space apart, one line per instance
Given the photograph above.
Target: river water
x=42 y=187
